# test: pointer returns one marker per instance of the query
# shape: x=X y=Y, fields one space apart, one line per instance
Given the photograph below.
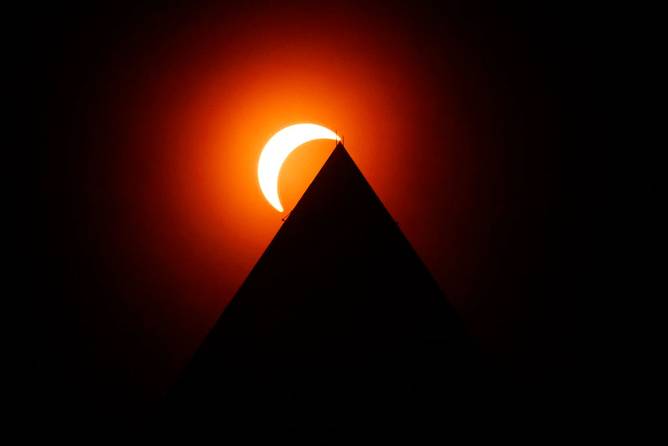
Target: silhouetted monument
x=338 y=325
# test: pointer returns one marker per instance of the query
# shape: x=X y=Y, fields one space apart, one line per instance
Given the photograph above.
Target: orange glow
x=216 y=95
x=276 y=151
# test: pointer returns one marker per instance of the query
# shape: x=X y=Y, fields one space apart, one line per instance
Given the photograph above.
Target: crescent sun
x=276 y=151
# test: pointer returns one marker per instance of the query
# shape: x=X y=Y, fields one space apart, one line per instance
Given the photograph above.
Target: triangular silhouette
x=338 y=318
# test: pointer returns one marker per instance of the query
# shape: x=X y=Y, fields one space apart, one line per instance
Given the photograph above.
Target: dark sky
x=495 y=102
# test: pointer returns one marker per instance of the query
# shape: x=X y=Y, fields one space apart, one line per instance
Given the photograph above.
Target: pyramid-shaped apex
x=340 y=189
x=340 y=161
x=338 y=313
x=340 y=150
x=340 y=153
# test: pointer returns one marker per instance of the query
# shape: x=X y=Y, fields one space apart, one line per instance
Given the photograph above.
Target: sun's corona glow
x=276 y=151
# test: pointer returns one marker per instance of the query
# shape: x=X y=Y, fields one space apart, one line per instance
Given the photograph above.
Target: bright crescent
x=276 y=151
